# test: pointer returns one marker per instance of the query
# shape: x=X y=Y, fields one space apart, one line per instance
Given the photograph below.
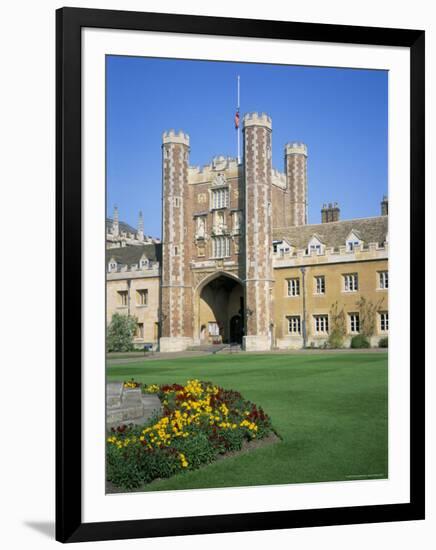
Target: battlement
x=296 y=148
x=202 y=174
x=256 y=119
x=175 y=137
x=278 y=179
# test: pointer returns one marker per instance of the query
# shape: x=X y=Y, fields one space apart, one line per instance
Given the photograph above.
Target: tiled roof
x=129 y=255
x=334 y=234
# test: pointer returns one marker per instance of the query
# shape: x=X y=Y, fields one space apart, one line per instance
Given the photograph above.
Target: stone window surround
x=321 y=323
x=382 y=280
x=142 y=297
x=293 y=287
x=294 y=322
x=123 y=298
x=222 y=191
x=383 y=322
x=350 y=282
x=223 y=248
x=353 y=323
x=316 y=286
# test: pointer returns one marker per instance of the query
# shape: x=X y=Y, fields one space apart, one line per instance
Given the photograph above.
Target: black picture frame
x=69 y=22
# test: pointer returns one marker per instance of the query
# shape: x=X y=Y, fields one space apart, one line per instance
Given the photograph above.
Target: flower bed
x=200 y=421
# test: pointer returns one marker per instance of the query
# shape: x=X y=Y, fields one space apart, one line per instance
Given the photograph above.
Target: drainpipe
x=303 y=272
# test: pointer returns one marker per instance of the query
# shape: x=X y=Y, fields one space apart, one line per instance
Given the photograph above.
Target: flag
x=237 y=120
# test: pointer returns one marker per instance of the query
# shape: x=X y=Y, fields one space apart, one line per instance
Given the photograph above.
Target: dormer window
x=281 y=248
x=143 y=263
x=112 y=266
x=315 y=246
x=353 y=241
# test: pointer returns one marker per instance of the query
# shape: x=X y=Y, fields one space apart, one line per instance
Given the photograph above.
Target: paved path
x=112 y=361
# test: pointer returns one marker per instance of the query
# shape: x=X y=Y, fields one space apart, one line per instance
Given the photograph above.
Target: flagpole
x=237 y=129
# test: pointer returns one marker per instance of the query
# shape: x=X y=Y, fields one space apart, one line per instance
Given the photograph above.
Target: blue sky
x=341 y=114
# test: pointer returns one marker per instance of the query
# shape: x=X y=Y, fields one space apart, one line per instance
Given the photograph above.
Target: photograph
x=247 y=274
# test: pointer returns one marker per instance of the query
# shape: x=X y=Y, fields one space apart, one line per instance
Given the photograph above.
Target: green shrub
x=360 y=341
x=383 y=342
x=335 y=341
x=120 y=333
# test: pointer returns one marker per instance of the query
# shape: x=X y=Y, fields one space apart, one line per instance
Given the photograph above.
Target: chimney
x=140 y=233
x=330 y=212
x=115 y=224
x=384 y=206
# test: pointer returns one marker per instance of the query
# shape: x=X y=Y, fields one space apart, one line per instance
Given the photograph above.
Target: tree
x=120 y=333
x=337 y=327
x=367 y=316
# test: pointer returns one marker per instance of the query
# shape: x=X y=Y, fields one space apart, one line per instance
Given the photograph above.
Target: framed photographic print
x=239 y=217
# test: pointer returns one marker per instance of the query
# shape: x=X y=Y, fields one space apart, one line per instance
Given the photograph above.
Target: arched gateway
x=217 y=219
x=219 y=310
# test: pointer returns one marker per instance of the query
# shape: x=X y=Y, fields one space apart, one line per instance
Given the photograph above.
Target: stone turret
x=257 y=131
x=115 y=223
x=140 y=232
x=176 y=313
x=296 y=177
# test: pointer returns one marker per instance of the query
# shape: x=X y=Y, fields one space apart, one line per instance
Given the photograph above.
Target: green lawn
x=331 y=411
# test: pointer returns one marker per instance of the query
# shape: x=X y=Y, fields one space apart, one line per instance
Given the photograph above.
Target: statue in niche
x=219 y=222
x=201 y=227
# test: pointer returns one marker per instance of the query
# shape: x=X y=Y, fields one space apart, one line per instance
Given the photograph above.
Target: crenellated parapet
x=175 y=137
x=278 y=178
x=208 y=172
x=296 y=148
x=257 y=119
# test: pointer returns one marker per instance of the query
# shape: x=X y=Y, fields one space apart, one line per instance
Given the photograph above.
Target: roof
x=129 y=255
x=334 y=234
x=123 y=226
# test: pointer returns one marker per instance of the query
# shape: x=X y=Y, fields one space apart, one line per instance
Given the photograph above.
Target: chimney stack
x=330 y=213
x=384 y=206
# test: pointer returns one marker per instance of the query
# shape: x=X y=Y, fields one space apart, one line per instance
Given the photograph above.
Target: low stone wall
x=129 y=405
